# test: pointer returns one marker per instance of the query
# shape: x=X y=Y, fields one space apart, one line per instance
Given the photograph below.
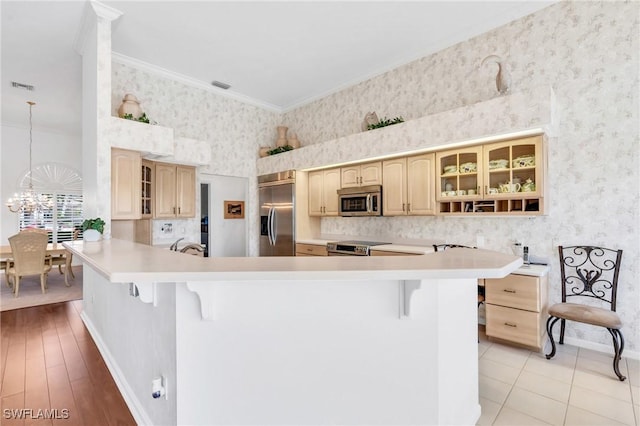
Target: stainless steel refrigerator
x=277 y=213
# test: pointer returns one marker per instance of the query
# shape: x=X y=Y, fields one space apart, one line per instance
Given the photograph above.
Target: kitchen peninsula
x=295 y=340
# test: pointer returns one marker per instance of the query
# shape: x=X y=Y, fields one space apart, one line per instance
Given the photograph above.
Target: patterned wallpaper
x=233 y=130
x=587 y=52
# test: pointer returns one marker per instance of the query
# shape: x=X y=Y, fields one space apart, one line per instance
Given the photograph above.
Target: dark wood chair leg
x=550 y=323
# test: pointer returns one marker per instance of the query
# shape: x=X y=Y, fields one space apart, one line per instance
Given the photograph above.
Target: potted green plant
x=92 y=229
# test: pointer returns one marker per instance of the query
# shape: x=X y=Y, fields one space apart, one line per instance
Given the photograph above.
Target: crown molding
x=154 y=69
x=92 y=10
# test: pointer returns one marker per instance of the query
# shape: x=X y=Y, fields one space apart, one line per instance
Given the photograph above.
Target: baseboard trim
x=599 y=347
x=139 y=414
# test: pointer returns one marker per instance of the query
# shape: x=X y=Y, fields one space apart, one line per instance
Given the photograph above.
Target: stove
x=352 y=248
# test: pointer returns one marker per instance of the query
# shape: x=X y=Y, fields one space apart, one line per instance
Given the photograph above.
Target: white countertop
x=125 y=261
x=531 y=270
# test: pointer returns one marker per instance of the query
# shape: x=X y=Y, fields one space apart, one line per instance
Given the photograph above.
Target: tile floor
x=577 y=387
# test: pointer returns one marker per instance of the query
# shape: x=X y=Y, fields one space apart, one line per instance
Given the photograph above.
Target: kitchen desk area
x=289 y=340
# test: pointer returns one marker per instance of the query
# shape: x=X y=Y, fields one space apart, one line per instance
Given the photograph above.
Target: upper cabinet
x=459 y=173
x=125 y=184
x=174 y=191
x=503 y=177
x=323 y=192
x=408 y=186
x=147 y=183
x=361 y=175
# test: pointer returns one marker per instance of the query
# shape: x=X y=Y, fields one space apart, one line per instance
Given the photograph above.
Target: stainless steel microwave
x=361 y=201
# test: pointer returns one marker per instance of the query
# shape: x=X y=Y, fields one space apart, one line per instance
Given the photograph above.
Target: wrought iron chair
x=591 y=275
x=29 y=250
x=443 y=247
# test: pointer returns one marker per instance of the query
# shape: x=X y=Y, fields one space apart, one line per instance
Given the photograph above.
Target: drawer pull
x=508 y=290
x=309 y=249
x=508 y=324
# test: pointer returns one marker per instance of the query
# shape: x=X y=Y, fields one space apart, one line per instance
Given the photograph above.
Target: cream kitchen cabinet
x=147 y=188
x=459 y=174
x=126 y=186
x=175 y=191
x=323 y=192
x=361 y=175
x=508 y=178
x=310 y=250
x=408 y=186
x=516 y=309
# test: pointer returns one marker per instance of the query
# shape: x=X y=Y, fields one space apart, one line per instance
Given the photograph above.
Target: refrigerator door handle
x=270 y=227
x=274 y=226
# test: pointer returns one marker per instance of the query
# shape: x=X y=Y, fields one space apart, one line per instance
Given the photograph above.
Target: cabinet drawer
x=310 y=250
x=514 y=291
x=514 y=325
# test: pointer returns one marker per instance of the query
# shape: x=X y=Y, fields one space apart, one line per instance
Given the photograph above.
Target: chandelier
x=29 y=201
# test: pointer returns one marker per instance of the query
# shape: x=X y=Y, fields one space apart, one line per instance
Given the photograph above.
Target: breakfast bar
x=295 y=340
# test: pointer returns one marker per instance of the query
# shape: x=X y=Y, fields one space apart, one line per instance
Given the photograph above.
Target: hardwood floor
x=52 y=370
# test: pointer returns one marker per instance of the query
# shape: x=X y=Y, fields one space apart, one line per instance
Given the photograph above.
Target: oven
x=361 y=201
x=352 y=248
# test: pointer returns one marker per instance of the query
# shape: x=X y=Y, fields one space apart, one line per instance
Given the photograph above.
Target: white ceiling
x=275 y=54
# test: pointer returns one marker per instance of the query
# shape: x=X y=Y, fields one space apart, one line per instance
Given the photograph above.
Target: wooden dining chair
x=29 y=250
x=65 y=260
x=7 y=263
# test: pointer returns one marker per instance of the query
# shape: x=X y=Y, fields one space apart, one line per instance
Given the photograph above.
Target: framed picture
x=234 y=209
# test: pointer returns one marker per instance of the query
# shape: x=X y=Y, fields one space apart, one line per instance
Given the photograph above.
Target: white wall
x=65 y=149
x=227 y=237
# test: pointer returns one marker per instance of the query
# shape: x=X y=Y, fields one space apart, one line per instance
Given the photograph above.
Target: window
x=61 y=221
x=63 y=185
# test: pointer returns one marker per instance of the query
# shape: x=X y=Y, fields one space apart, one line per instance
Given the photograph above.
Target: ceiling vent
x=22 y=86
x=220 y=84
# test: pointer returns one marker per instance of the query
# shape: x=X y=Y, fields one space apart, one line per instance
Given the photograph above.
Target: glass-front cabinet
x=507 y=176
x=460 y=175
x=147 y=189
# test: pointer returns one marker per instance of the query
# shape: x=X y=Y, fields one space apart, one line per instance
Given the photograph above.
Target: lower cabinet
x=516 y=309
x=310 y=250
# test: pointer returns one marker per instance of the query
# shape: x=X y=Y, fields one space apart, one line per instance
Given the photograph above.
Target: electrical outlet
x=167 y=228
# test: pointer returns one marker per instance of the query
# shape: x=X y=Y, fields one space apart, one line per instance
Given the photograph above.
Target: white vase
x=91 y=235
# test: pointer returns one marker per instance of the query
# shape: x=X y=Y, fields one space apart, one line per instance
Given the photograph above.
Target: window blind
x=61 y=221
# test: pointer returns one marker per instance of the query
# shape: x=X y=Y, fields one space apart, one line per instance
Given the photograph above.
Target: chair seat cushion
x=47 y=269
x=586 y=314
